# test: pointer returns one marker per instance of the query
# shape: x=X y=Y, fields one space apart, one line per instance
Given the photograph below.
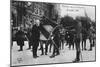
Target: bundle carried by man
x=68 y=23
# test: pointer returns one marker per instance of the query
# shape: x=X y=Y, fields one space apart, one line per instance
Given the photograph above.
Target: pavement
x=25 y=57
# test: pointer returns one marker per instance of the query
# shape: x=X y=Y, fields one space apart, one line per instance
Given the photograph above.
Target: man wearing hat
x=35 y=37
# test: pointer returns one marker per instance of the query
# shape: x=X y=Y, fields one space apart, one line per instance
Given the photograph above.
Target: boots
x=21 y=48
x=90 y=47
x=77 y=57
x=52 y=56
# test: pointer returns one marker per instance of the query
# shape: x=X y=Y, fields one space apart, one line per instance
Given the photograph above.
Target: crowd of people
x=61 y=35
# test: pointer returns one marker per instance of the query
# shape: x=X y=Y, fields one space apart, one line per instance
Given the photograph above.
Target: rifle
x=52 y=39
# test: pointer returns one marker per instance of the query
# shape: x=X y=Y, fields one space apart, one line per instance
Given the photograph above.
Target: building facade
x=24 y=13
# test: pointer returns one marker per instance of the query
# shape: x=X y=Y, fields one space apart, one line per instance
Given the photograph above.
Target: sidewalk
x=25 y=57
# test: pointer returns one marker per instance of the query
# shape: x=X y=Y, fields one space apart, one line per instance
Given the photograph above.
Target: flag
x=47 y=25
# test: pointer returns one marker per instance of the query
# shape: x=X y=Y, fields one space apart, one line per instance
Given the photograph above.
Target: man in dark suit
x=35 y=37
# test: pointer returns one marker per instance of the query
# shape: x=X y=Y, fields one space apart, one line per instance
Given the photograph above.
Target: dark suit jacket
x=35 y=33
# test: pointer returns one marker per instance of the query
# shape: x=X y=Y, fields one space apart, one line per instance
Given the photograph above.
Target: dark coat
x=56 y=34
x=20 y=36
x=69 y=37
x=29 y=34
x=35 y=33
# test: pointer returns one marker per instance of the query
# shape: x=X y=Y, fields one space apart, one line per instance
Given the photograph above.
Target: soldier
x=49 y=42
x=42 y=43
x=71 y=40
x=56 y=42
x=62 y=38
x=91 y=37
x=66 y=37
x=84 y=37
x=78 y=38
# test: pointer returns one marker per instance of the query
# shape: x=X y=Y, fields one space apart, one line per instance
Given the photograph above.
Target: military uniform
x=78 y=38
x=56 y=42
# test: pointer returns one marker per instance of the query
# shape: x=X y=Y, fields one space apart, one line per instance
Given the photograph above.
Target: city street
x=56 y=22
x=25 y=57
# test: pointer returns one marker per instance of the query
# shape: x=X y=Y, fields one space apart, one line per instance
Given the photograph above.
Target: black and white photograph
x=51 y=33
